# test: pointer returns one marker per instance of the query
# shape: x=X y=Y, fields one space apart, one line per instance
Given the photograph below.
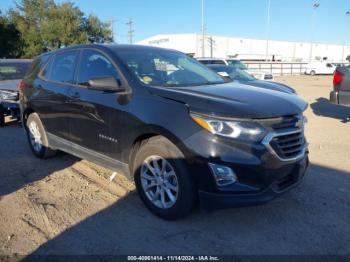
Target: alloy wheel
x=159 y=182
x=35 y=136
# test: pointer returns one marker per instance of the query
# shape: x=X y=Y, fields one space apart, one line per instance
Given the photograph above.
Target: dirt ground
x=68 y=206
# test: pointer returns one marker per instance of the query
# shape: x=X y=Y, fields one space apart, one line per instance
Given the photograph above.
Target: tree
x=28 y=16
x=44 y=26
x=63 y=26
x=10 y=39
x=97 y=31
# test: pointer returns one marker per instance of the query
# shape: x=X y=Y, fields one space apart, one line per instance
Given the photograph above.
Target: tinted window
x=10 y=71
x=206 y=62
x=63 y=67
x=237 y=64
x=218 y=62
x=47 y=70
x=94 y=64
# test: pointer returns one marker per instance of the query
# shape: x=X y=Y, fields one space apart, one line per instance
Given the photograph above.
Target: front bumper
x=261 y=175
x=334 y=97
x=287 y=181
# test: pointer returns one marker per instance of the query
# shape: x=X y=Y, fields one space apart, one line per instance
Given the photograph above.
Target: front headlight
x=239 y=129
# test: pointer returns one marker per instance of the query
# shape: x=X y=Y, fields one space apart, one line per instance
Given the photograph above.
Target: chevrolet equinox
x=168 y=123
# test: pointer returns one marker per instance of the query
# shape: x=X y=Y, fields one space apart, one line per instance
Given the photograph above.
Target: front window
x=94 y=64
x=157 y=67
x=237 y=64
x=11 y=71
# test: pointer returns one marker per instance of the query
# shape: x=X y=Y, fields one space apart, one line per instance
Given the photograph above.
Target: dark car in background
x=341 y=86
x=231 y=73
x=167 y=122
x=12 y=72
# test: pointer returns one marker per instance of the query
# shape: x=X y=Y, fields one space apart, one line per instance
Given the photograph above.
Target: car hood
x=235 y=100
x=10 y=85
x=269 y=85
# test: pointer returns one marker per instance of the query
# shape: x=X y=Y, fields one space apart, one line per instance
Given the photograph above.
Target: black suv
x=167 y=122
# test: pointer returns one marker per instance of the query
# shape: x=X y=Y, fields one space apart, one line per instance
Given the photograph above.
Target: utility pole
x=211 y=44
x=315 y=6
x=268 y=30
x=112 y=21
x=203 y=31
x=130 y=24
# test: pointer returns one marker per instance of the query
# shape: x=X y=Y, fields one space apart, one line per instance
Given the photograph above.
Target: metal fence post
x=281 y=69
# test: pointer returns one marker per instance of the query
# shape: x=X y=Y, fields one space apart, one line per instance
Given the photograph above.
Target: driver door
x=92 y=110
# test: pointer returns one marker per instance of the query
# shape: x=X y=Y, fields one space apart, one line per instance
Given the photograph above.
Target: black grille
x=289 y=145
x=268 y=77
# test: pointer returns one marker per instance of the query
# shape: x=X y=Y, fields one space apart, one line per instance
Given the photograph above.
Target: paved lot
x=68 y=206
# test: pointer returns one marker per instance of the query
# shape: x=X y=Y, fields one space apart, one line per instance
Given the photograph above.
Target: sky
x=290 y=20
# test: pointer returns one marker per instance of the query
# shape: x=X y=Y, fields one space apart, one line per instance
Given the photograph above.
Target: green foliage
x=10 y=39
x=44 y=25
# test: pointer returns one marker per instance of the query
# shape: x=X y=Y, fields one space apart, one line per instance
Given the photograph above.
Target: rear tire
x=163 y=180
x=312 y=73
x=37 y=138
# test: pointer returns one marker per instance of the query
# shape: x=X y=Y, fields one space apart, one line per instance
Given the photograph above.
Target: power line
x=130 y=24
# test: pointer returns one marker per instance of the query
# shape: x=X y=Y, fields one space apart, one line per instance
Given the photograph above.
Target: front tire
x=312 y=73
x=37 y=138
x=163 y=180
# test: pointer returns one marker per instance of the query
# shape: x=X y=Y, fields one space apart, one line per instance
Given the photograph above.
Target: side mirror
x=107 y=83
x=225 y=76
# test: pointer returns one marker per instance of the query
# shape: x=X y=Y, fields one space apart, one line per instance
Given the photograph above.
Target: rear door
x=50 y=92
x=91 y=111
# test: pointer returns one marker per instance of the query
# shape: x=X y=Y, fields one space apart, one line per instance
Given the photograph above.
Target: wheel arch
x=152 y=133
x=26 y=114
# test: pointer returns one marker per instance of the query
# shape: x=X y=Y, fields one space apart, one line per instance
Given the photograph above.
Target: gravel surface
x=65 y=205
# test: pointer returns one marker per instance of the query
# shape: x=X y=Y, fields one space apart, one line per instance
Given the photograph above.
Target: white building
x=248 y=49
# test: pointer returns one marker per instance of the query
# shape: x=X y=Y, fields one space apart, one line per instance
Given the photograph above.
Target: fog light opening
x=223 y=175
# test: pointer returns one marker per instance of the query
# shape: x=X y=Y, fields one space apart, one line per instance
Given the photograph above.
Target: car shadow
x=323 y=107
x=310 y=219
x=14 y=146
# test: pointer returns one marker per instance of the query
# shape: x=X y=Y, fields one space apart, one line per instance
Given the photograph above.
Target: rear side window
x=61 y=69
x=10 y=71
x=95 y=64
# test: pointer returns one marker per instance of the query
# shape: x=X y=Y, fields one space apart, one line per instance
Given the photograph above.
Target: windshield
x=158 y=67
x=235 y=73
x=11 y=71
x=237 y=64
